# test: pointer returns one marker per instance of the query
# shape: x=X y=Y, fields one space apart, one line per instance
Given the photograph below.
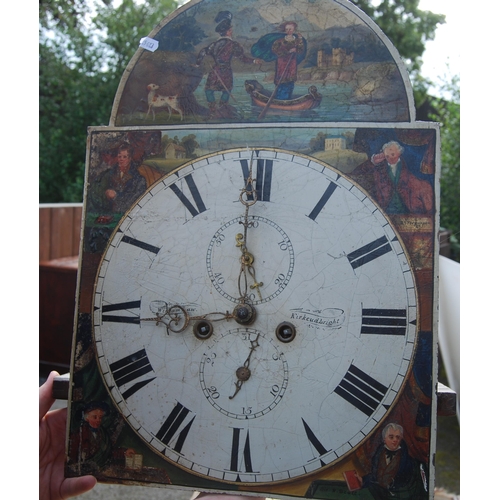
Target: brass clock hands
x=243 y=373
x=246 y=265
x=177 y=319
x=248 y=197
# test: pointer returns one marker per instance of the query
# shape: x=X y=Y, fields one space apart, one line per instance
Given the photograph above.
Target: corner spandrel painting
x=265 y=61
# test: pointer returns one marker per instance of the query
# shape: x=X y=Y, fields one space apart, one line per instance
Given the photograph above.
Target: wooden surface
x=59 y=230
x=446 y=401
x=57 y=288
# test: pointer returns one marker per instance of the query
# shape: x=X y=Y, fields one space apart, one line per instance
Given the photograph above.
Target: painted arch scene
x=251 y=61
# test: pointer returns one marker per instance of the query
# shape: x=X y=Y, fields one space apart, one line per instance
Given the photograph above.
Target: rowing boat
x=260 y=97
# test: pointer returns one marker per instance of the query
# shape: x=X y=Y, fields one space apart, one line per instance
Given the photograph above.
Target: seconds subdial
x=274 y=260
x=243 y=373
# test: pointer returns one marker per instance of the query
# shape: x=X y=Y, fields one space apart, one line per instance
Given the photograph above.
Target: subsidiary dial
x=243 y=374
x=270 y=253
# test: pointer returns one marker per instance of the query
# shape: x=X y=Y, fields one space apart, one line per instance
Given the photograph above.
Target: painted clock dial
x=332 y=306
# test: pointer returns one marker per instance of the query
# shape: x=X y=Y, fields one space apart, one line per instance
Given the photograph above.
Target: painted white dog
x=157 y=101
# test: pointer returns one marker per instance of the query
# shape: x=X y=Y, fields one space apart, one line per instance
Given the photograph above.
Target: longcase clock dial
x=255 y=316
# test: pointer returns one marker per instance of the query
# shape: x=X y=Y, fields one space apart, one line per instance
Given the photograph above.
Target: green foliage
x=184 y=35
x=188 y=142
x=407 y=26
x=318 y=143
x=82 y=54
x=448 y=114
x=85 y=45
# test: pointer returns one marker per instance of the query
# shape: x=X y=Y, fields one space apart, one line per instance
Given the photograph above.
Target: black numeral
x=383 y=321
x=140 y=244
x=263 y=179
x=131 y=368
x=313 y=439
x=200 y=206
x=323 y=200
x=361 y=390
x=122 y=306
x=235 y=452
x=173 y=424
x=369 y=252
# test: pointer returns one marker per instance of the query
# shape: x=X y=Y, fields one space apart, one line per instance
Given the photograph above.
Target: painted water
x=340 y=103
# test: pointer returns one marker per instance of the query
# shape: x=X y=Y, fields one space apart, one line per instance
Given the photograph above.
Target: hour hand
x=177 y=319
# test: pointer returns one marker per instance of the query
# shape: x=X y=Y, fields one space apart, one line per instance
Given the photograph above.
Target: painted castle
x=337 y=57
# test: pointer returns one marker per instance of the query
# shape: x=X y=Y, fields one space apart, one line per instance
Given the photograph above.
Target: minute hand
x=248 y=197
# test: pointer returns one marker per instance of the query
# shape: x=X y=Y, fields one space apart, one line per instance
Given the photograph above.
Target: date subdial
x=243 y=373
x=274 y=261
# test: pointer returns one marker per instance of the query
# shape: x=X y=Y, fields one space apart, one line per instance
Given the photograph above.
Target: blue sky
x=442 y=55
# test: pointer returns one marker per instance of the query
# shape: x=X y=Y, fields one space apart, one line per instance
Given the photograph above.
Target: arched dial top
x=254 y=316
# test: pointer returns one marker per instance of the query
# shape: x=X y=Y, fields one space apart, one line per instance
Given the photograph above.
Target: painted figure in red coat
x=394 y=187
x=220 y=76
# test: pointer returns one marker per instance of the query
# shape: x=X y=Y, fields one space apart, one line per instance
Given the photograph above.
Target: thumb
x=45 y=395
x=74 y=486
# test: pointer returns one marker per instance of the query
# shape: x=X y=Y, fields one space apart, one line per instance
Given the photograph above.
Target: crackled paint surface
x=338 y=263
x=346 y=61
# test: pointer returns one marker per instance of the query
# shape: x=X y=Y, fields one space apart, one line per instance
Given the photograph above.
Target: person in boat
x=288 y=49
x=220 y=77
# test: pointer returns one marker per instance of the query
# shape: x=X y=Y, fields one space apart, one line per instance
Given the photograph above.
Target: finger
x=74 y=486
x=45 y=395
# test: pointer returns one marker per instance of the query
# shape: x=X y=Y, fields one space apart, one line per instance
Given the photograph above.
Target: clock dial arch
x=348 y=292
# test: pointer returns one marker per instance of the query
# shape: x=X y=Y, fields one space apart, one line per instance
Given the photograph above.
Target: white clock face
x=333 y=327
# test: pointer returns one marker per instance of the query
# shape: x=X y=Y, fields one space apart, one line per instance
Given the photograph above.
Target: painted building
x=175 y=151
x=332 y=143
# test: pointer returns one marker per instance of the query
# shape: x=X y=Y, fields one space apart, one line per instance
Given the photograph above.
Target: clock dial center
x=243 y=373
x=244 y=314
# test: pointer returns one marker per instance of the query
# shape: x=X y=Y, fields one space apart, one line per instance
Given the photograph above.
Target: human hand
x=110 y=194
x=53 y=485
x=378 y=158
